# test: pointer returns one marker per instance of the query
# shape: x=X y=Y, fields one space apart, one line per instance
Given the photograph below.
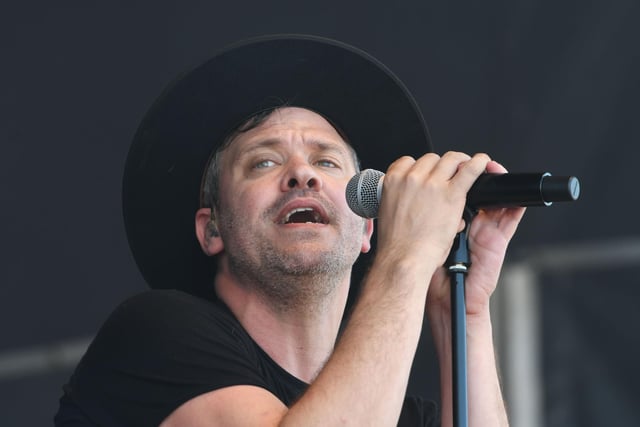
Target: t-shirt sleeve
x=418 y=412
x=157 y=351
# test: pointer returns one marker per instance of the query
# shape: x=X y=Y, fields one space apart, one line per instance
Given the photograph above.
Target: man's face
x=282 y=204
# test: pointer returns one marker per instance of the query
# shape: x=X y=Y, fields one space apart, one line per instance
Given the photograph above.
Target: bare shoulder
x=241 y=405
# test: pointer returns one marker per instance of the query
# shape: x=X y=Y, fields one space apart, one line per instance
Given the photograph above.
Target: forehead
x=291 y=124
x=297 y=116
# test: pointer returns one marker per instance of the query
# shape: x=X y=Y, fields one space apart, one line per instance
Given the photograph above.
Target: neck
x=297 y=332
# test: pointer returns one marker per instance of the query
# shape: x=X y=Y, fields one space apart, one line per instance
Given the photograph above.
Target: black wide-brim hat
x=194 y=114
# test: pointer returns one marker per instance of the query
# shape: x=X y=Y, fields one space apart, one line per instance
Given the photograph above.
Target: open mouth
x=305 y=215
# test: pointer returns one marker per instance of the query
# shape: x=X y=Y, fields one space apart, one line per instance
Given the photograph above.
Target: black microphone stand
x=457 y=265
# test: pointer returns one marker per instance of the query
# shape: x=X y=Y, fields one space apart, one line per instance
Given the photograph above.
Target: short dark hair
x=210 y=188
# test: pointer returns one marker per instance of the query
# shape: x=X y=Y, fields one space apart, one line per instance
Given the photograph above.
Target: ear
x=366 y=235
x=207 y=232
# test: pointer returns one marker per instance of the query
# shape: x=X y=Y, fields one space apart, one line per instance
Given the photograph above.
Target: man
x=257 y=333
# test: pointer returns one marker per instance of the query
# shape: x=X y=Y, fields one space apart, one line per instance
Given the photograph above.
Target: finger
x=510 y=220
x=495 y=167
x=505 y=220
x=400 y=165
x=428 y=162
x=469 y=171
x=449 y=164
x=407 y=170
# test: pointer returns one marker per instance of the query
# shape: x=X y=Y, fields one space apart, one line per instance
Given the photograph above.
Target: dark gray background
x=540 y=85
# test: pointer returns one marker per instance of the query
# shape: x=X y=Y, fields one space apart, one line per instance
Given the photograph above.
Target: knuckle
x=457 y=156
x=482 y=158
x=431 y=156
x=404 y=161
x=413 y=179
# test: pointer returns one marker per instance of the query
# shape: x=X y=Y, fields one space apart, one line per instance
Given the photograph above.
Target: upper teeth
x=288 y=217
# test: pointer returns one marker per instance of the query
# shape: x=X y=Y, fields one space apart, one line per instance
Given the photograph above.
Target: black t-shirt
x=162 y=348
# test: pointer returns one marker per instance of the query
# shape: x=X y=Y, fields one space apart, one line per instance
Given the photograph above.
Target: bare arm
x=364 y=381
x=486 y=405
x=489 y=237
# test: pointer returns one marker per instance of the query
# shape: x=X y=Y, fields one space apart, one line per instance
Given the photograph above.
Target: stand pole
x=457 y=266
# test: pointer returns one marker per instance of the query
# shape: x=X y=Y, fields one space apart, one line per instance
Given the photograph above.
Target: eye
x=262 y=164
x=326 y=163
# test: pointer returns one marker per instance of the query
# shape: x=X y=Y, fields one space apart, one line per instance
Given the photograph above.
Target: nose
x=301 y=175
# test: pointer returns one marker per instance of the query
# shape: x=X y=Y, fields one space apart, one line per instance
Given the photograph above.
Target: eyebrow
x=320 y=145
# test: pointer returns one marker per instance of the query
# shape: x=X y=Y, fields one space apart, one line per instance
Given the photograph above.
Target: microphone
x=364 y=191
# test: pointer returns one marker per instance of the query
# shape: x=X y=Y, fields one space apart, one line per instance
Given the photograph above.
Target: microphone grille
x=363 y=194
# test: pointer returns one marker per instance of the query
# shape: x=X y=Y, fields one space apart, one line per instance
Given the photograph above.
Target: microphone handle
x=521 y=189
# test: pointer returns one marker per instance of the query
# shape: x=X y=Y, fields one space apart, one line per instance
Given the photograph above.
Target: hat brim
x=171 y=148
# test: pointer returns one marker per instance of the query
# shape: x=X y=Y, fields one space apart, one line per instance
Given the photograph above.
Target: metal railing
x=516 y=308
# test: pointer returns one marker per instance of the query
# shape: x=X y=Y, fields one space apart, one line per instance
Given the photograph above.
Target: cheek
x=236 y=195
x=246 y=203
x=335 y=188
x=253 y=197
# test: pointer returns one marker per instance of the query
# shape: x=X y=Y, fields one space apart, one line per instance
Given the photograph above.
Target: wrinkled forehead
x=267 y=129
x=302 y=116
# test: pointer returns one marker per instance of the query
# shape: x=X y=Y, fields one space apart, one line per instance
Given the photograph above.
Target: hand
x=422 y=204
x=489 y=235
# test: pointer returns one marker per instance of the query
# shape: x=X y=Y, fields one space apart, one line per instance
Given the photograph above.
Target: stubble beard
x=295 y=279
